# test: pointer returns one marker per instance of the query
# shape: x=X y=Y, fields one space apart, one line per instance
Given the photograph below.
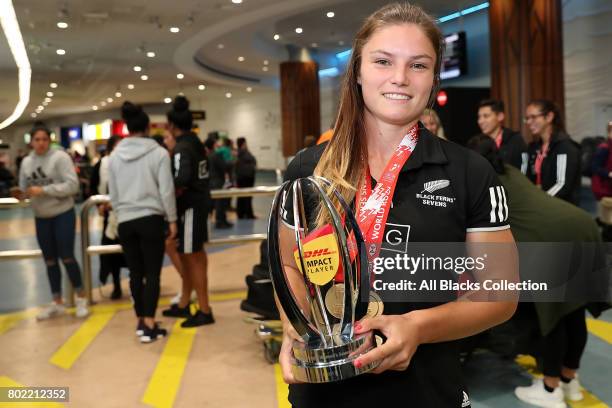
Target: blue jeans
x=55 y=237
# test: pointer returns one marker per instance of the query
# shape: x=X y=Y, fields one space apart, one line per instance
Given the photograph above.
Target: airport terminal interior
x=264 y=80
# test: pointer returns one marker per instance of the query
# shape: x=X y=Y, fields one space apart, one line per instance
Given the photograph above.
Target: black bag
x=260 y=293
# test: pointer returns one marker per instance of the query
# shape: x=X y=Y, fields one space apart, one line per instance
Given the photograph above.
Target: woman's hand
x=402 y=335
x=285 y=356
x=34 y=191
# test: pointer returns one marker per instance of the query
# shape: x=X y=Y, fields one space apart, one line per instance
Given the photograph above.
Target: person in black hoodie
x=191 y=180
x=512 y=147
x=554 y=158
x=246 y=164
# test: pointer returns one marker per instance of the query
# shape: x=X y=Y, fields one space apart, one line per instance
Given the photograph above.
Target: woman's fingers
x=376 y=354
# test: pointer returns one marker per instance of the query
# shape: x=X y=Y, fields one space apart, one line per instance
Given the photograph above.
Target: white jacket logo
x=466 y=400
x=435 y=185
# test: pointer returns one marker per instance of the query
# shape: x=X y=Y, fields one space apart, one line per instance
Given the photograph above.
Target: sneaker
x=177 y=311
x=199 y=319
x=140 y=328
x=81 y=307
x=150 y=335
x=572 y=390
x=53 y=310
x=537 y=395
x=176 y=299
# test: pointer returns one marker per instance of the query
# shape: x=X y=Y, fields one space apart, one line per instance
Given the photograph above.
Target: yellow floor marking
x=80 y=340
x=529 y=364
x=282 y=389
x=166 y=378
x=221 y=297
x=7 y=382
x=8 y=321
x=601 y=329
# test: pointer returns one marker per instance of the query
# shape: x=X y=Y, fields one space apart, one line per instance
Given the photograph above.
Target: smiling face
x=538 y=122
x=489 y=121
x=397 y=73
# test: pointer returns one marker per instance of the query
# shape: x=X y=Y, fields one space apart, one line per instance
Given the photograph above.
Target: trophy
x=325 y=296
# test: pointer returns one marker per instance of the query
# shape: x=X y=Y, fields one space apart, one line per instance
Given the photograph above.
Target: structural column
x=526 y=55
x=300 y=105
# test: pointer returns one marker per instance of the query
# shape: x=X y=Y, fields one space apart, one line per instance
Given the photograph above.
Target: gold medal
x=334 y=300
x=376 y=305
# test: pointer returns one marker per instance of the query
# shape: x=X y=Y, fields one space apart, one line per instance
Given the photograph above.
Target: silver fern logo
x=435 y=185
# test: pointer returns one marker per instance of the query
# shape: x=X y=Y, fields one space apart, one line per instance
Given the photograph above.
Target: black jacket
x=513 y=150
x=191 y=173
x=246 y=164
x=219 y=168
x=560 y=168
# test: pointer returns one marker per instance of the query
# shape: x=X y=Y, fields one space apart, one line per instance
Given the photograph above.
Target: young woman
x=48 y=178
x=391 y=78
x=432 y=122
x=554 y=158
x=142 y=194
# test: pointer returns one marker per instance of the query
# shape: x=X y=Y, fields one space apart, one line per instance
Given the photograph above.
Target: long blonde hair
x=344 y=158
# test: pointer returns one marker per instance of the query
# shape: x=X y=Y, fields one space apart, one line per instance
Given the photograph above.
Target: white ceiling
x=105 y=39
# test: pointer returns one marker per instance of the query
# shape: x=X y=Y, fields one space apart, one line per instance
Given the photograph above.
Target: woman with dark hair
x=142 y=194
x=554 y=158
x=110 y=264
x=191 y=176
x=385 y=162
x=47 y=176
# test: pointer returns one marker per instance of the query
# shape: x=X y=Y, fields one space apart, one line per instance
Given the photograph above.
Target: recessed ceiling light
x=137 y=68
x=264 y=69
x=62 y=24
x=330 y=14
x=299 y=30
x=144 y=77
x=53 y=85
x=249 y=89
x=266 y=62
x=151 y=54
x=118 y=94
x=174 y=30
x=49 y=94
x=94 y=107
x=48 y=100
x=228 y=94
x=276 y=37
x=201 y=87
x=220 y=46
x=60 y=51
x=240 y=59
x=109 y=100
x=167 y=100
x=180 y=76
x=314 y=45
x=103 y=103
x=45 y=103
x=340 y=42
x=236 y=1
x=33 y=114
x=130 y=86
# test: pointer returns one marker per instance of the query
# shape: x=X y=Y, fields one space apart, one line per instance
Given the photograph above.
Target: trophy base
x=334 y=363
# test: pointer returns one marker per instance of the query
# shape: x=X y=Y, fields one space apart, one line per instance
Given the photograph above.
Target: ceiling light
x=33 y=114
x=40 y=107
x=240 y=59
x=53 y=85
x=236 y=1
x=314 y=45
x=60 y=51
x=265 y=69
x=276 y=37
x=249 y=89
x=103 y=103
x=144 y=77
x=220 y=46
x=137 y=68
x=340 y=42
x=228 y=94
x=62 y=24
x=151 y=54
x=48 y=100
x=167 y=100
x=94 y=107
x=180 y=76
x=109 y=100
x=201 y=87
x=49 y=94
x=330 y=14
x=174 y=30
x=181 y=93
x=299 y=30
x=265 y=62
x=117 y=94
x=130 y=86
x=45 y=103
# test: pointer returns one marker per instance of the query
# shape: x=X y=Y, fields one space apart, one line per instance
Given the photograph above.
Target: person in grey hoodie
x=48 y=178
x=142 y=195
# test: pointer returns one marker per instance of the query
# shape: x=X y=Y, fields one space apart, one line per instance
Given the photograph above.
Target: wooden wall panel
x=300 y=105
x=526 y=55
